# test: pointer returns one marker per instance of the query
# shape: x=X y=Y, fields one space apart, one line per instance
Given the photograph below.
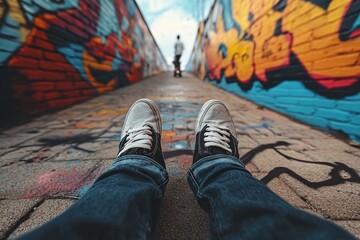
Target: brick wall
x=57 y=53
x=301 y=58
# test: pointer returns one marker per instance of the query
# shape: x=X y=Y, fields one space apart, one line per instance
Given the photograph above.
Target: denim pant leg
x=241 y=207
x=123 y=203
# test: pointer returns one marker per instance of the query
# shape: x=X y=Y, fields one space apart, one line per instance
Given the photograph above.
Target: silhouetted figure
x=179 y=48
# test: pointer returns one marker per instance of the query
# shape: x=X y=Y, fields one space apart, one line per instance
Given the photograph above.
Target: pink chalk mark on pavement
x=56 y=182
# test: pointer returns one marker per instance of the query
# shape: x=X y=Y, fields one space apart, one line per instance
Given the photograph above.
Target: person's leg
x=240 y=206
x=124 y=202
x=177 y=60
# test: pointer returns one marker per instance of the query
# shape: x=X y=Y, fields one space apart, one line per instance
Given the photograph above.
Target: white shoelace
x=139 y=137
x=217 y=136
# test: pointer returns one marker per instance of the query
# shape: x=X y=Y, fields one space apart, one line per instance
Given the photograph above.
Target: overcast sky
x=168 y=18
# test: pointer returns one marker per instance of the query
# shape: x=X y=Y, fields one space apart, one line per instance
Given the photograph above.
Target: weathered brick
x=299 y=109
x=61 y=103
x=349 y=106
x=19 y=61
x=37 y=96
x=56 y=57
x=333 y=114
x=64 y=86
x=89 y=92
x=43 y=86
x=71 y=94
x=44 y=44
x=31 y=52
x=81 y=85
x=55 y=66
x=345 y=127
x=52 y=95
x=317 y=121
x=355 y=120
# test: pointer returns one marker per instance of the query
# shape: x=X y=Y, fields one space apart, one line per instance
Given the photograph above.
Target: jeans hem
x=141 y=157
x=162 y=170
x=214 y=157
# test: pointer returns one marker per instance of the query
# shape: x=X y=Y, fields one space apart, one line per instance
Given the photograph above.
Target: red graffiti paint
x=56 y=182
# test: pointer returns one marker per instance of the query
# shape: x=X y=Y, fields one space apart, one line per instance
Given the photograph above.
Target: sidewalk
x=46 y=164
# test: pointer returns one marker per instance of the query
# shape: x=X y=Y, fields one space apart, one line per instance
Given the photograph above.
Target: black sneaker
x=141 y=131
x=215 y=131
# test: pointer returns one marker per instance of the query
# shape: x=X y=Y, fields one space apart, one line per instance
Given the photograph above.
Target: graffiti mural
x=257 y=39
x=263 y=46
x=56 y=53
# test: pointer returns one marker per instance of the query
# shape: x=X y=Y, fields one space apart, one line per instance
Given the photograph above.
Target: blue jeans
x=125 y=201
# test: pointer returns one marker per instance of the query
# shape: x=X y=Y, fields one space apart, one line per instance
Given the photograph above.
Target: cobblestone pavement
x=49 y=162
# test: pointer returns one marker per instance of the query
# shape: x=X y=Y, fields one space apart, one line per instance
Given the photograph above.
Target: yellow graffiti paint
x=323 y=30
x=111 y=112
x=2 y=8
x=17 y=14
x=269 y=34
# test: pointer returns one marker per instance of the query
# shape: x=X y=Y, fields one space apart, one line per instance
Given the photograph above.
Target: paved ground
x=49 y=162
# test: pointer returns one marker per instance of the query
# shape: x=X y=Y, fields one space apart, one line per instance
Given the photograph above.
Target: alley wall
x=301 y=58
x=55 y=53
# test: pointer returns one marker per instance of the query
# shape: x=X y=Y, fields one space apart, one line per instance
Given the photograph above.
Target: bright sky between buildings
x=168 y=18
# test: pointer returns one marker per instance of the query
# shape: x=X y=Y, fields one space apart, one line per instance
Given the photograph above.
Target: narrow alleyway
x=46 y=164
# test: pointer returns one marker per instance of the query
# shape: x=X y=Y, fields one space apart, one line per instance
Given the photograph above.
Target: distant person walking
x=179 y=48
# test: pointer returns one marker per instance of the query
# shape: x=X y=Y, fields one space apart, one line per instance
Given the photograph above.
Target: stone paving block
x=246 y=142
x=338 y=201
x=4 y=150
x=59 y=124
x=281 y=189
x=242 y=130
x=30 y=131
x=290 y=143
x=14 y=140
x=115 y=129
x=12 y=211
x=118 y=119
x=251 y=168
x=90 y=123
x=328 y=144
x=45 y=212
x=352 y=226
x=30 y=126
x=89 y=151
x=45 y=179
x=179 y=205
x=180 y=208
x=43 y=154
x=59 y=137
x=291 y=133
x=353 y=152
x=16 y=154
x=351 y=162
x=275 y=164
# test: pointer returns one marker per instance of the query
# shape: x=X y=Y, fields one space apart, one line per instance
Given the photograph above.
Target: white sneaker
x=215 y=131
x=141 y=132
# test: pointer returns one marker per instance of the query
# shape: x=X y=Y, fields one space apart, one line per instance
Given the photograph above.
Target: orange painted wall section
x=54 y=53
x=308 y=48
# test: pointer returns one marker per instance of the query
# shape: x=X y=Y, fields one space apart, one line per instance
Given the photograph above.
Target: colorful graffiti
x=315 y=41
x=56 y=53
x=300 y=57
